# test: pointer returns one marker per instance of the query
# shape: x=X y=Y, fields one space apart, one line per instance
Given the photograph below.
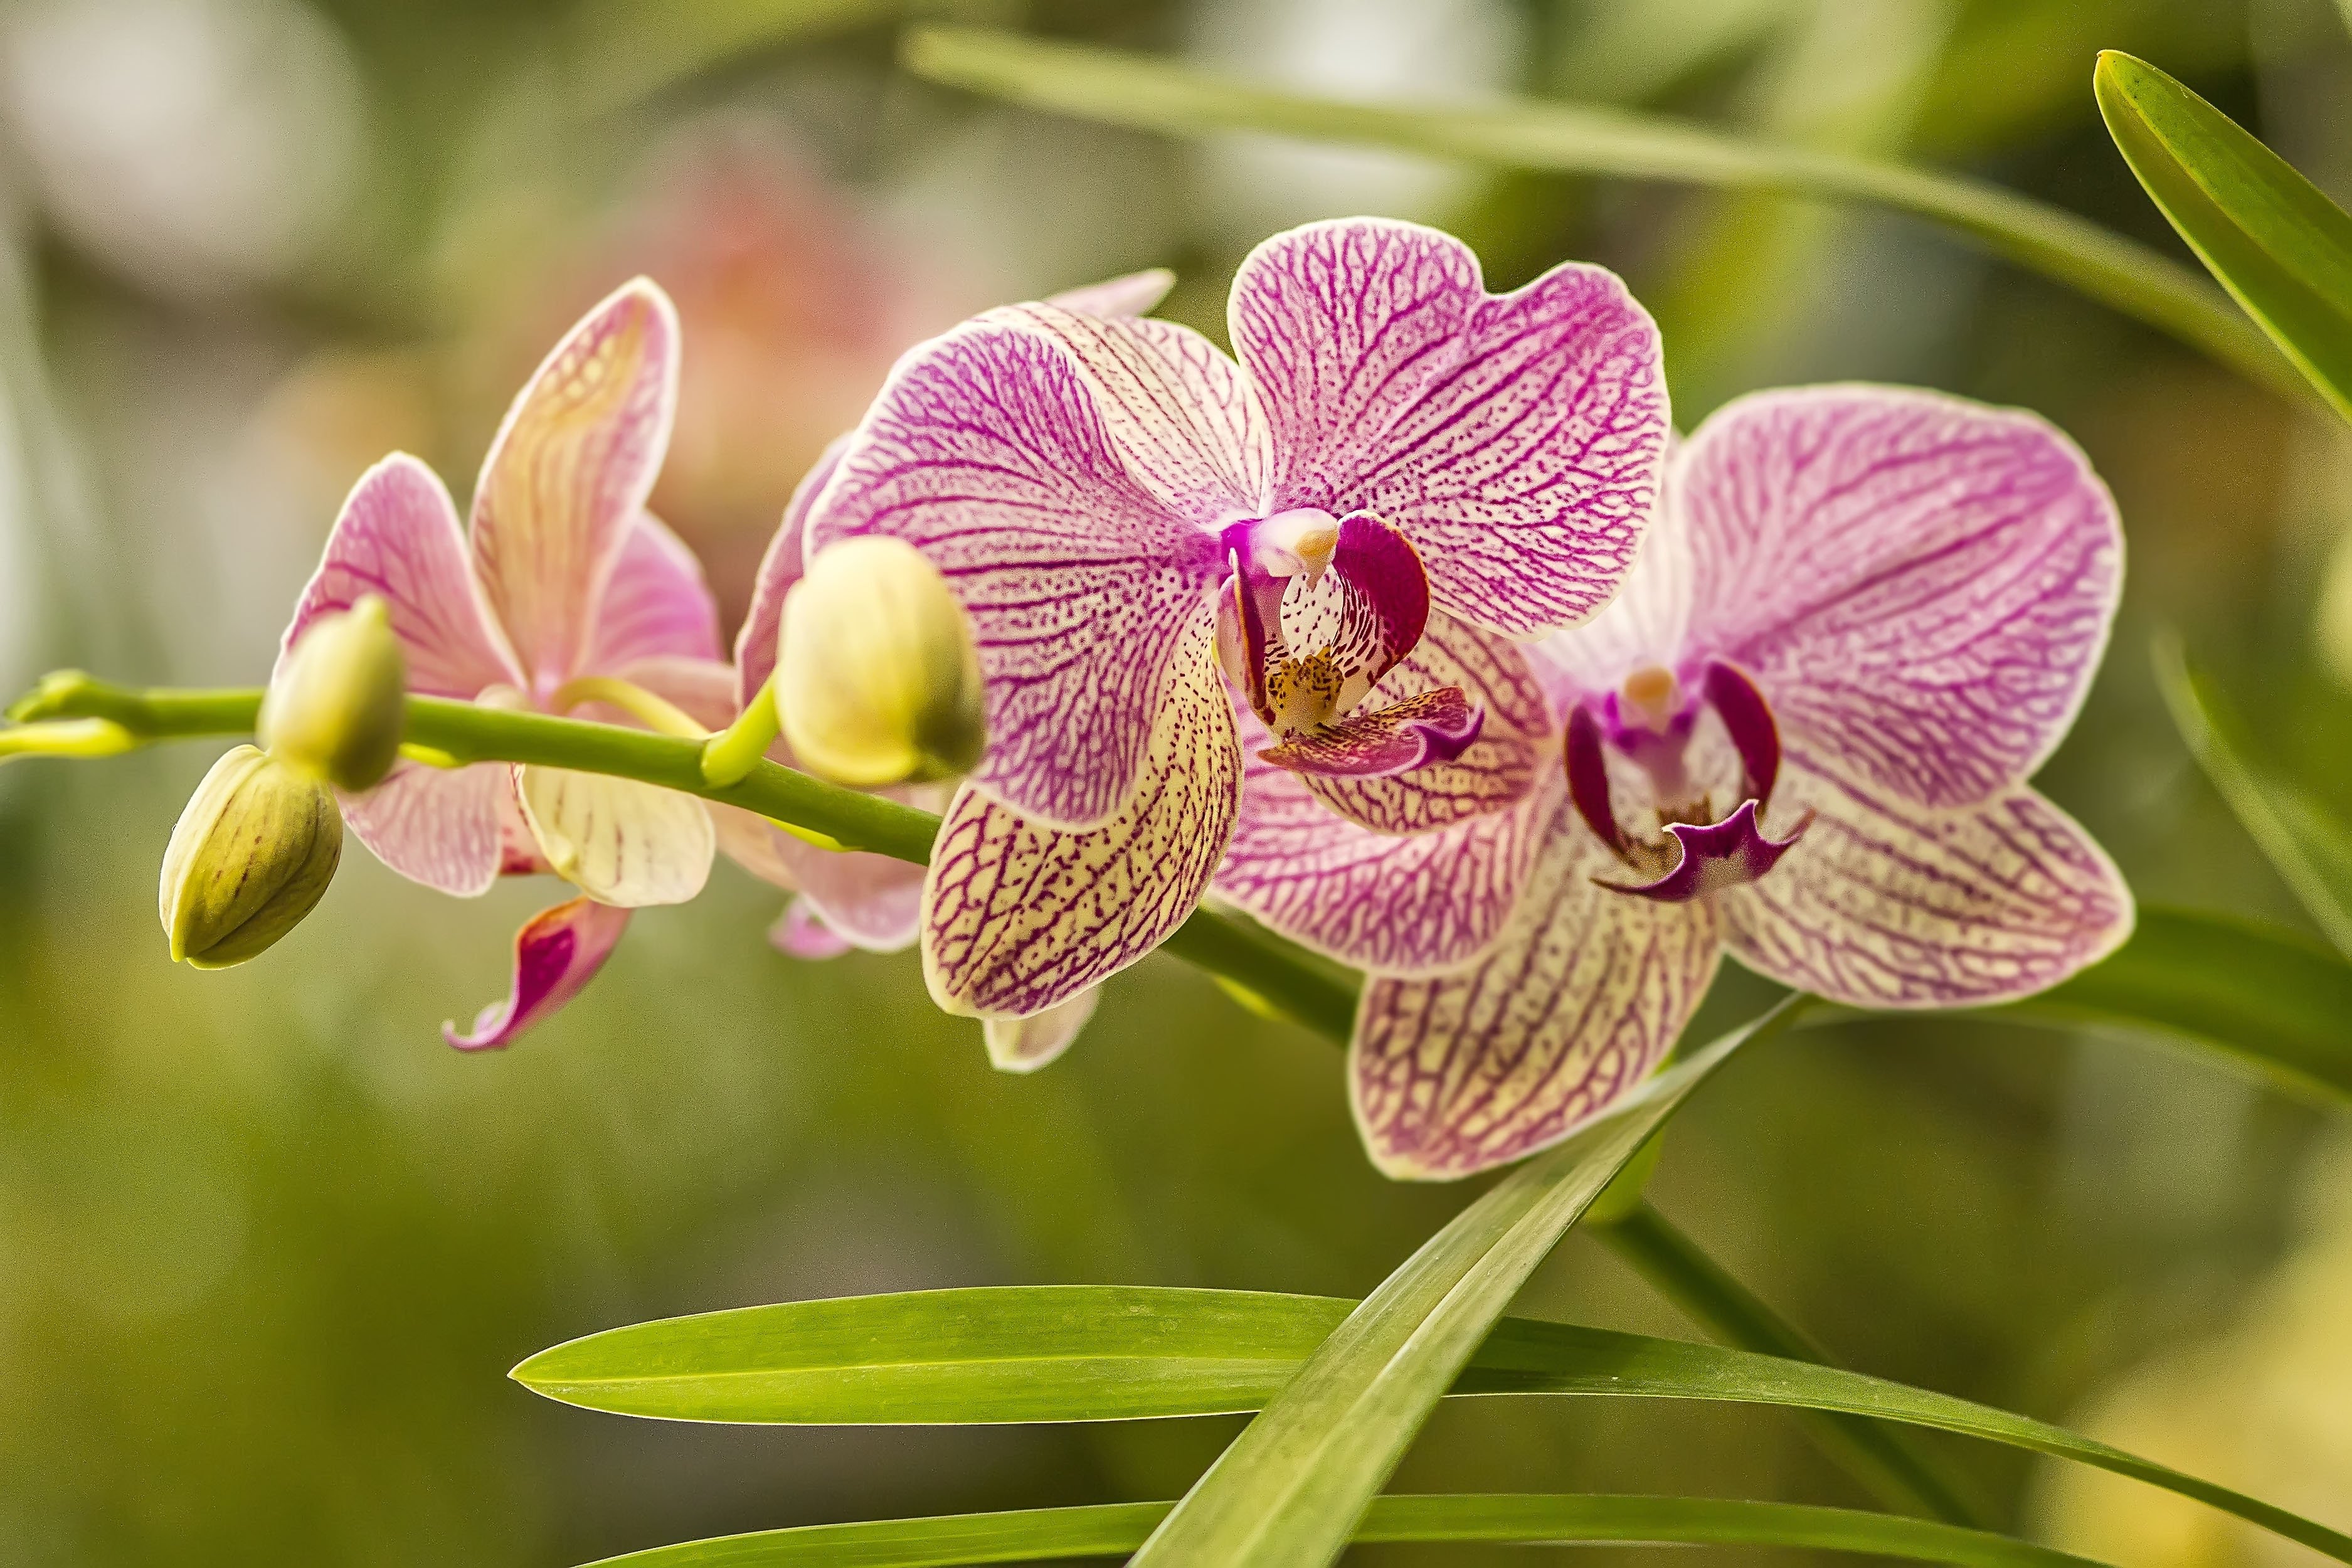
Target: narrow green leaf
x=2266 y=998
x=1120 y=88
x=1291 y=1489
x=2275 y=242
x=2302 y=838
x=1124 y=1353
x=1107 y=1530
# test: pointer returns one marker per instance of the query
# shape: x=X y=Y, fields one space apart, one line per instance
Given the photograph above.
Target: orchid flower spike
x=1396 y=476
x=1864 y=618
x=563 y=595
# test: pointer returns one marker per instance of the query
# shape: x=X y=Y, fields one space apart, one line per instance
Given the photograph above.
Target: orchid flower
x=561 y=595
x=1863 y=619
x=1396 y=476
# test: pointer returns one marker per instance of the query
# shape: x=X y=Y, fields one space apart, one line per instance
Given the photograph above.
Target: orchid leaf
x=1116 y=87
x=1128 y=1353
x=2309 y=848
x=1107 y=1530
x=2279 y=246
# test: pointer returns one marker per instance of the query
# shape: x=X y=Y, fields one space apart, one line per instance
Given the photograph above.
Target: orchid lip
x=1712 y=857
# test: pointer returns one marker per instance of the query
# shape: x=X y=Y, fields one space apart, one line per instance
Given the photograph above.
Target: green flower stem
x=731 y=753
x=1895 y=1468
x=1115 y=87
x=1317 y=994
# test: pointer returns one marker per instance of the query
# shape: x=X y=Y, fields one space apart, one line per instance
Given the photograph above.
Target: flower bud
x=878 y=681
x=336 y=708
x=251 y=854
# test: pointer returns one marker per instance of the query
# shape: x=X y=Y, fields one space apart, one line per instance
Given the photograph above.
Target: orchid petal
x=800 y=932
x=557 y=952
x=1426 y=728
x=1517 y=440
x=1135 y=294
x=781 y=567
x=985 y=452
x=441 y=827
x=1711 y=858
x=398 y=537
x=1498 y=769
x=870 y=901
x=1575 y=1005
x=1024 y=1045
x=702 y=688
x=1921 y=586
x=1406 y=905
x=1886 y=905
x=658 y=603
x=1018 y=916
x=568 y=475
x=617 y=840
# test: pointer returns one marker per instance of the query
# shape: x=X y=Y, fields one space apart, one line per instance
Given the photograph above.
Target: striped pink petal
x=442 y=828
x=1884 y=905
x=780 y=568
x=1921 y=586
x=986 y=452
x=1019 y=917
x=658 y=603
x=1576 y=1005
x=557 y=952
x=568 y=475
x=1517 y=440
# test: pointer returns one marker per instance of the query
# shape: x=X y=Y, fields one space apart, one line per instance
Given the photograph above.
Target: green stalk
x=1115 y=87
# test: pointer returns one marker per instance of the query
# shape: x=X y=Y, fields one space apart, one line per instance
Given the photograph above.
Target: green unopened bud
x=878 y=681
x=251 y=854
x=337 y=709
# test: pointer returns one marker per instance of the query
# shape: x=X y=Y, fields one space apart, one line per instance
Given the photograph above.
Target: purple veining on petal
x=1921 y=586
x=987 y=453
x=1575 y=1004
x=1885 y=905
x=557 y=952
x=1712 y=857
x=1588 y=777
x=1517 y=440
x=1749 y=719
x=1432 y=727
x=800 y=932
x=1400 y=904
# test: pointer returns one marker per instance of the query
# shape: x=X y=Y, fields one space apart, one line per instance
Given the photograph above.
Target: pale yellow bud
x=337 y=708
x=251 y=854
x=878 y=681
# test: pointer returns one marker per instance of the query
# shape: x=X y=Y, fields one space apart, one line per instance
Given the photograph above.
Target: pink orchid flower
x=1864 y=618
x=562 y=594
x=1395 y=475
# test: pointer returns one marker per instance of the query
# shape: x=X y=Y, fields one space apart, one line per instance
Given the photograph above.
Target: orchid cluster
x=1409 y=628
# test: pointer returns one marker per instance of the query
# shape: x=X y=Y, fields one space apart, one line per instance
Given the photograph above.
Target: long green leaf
x=1108 y=1529
x=2302 y=838
x=2266 y=998
x=1125 y=1352
x=1120 y=88
x=2275 y=242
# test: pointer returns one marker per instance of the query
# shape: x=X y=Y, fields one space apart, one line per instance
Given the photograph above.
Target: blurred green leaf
x=1108 y=1529
x=1291 y=1489
x=1121 y=89
x=1123 y=1352
x=2310 y=848
x=2279 y=246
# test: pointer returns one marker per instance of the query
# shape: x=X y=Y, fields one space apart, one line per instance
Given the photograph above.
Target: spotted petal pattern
x=1398 y=905
x=568 y=475
x=1575 y=1005
x=557 y=952
x=1517 y=440
x=1514 y=738
x=1921 y=586
x=1018 y=916
x=1884 y=905
x=986 y=453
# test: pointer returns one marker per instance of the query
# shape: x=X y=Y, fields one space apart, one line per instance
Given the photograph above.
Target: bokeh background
x=267 y=1247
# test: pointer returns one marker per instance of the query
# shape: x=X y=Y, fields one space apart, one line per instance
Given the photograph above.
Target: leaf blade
x=1101 y=1530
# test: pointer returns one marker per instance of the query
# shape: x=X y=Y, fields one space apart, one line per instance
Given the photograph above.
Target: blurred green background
x=267 y=1246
